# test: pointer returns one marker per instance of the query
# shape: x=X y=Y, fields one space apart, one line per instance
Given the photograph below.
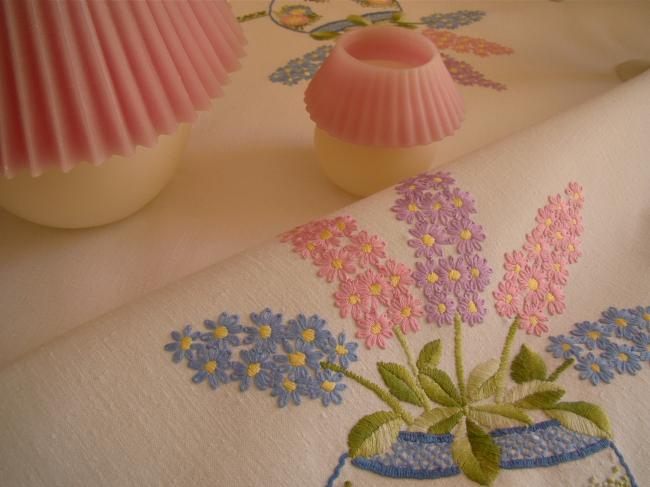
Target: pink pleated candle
x=379 y=102
x=101 y=93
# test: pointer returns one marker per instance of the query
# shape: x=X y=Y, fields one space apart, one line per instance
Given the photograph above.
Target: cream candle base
x=363 y=170
x=91 y=195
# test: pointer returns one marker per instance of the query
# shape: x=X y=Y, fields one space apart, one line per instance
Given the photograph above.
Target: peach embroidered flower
x=350 y=300
x=367 y=249
x=375 y=288
x=404 y=311
x=374 y=329
x=398 y=275
x=507 y=299
x=334 y=263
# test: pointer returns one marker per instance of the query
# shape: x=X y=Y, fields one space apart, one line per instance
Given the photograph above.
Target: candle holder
x=380 y=100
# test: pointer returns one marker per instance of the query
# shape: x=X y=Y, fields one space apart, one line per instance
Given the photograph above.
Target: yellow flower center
x=595 y=368
x=475 y=272
x=341 y=226
x=442 y=308
x=432 y=277
x=557 y=267
x=454 y=274
x=328 y=386
x=376 y=329
x=220 y=332
x=538 y=248
x=394 y=280
x=428 y=240
x=186 y=342
x=337 y=264
x=623 y=357
x=367 y=248
x=534 y=320
x=265 y=331
x=548 y=222
x=309 y=335
x=466 y=234
x=326 y=234
x=646 y=316
x=297 y=359
x=559 y=235
x=550 y=298
x=458 y=202
x=566 y=347
x=341 y=350
x=406 y=312
x=594 y=335
x=253 y=369
x=413 y=208
x=571 y=248
x=354 y=299
x=533 y=284
x=508 y=298
x=375 y=289
x=210 y=366
x=437 y=179
x=289 y=385
x=310 y=246
x=517 y=268
x=437 y=205
x=472 y=307
x=620 y=322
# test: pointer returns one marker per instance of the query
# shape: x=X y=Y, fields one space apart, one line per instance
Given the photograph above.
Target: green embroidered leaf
x=400 y=382
x=526 y=366
x=445 y=426
x=324 y=35
x=482 y=381
x=535 y=394
x=492 y=416
x=437 y=420
x=357 y=20
x=408 y=25
x=429 y=355
x=582 y=417
x=439 y=387
x=475 y=453
x=374 y=434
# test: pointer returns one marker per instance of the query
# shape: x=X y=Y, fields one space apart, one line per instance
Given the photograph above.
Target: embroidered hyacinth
x=451 y=271
x=373 y=289
x=532 y=287
x=616 y=344
x=270 y=354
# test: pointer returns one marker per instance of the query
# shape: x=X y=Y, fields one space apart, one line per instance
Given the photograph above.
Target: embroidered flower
x=537 y=246
x=267 y=332
x=532 y=282
x=574 y=222
x=184 y=344
x=556 y=268
x=289 y=387
x=404 y=311
x=554 y=300
x=255 y=367
x=307 y=246
x=642 y=346
x=344 y=352
x=623 y=358
x=334 y=264
x=375 y=329
x=437 y=208
x=507 y=299
x=621 y=320
x=345 y=224
x=224 y=332
x=398 y=275
x=479 y=273
x=641 y=317
x=351 y=300
x=514 y=264
x=328 y=236
x=453 y=20
x=472 y=309
x=297 y=358
x=409 y=208
x=547 y=218
x=575 y=194
x=416 y=184
x=374 y=288
x=466 y=235
x=439 y=181
x=594 y=369
x=428 y=240
x=367 y=249
x=462 y=202
x=454 y=275
x=310 y=331
x=592 y=335
x=564 y=347
x=328 y=387
x=427 y=276
x=573 y=252
x=212 y=364
x=533 y=321
x=441 y=310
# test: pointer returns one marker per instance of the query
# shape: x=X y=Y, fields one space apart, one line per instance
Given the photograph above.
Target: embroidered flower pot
x=97 y=98
x=380 y=100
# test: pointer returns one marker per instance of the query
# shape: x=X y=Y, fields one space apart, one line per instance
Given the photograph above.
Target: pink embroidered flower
x=345 y=224
x=350 y=300
x=574 y=222
x=308 y=247
x=558 y=236
x=558 y=204
x=368 y=249
x=507 y=299
x=556 y=268
x=374 y=329
x=573 y=252
x=404 y=311
x=554 y=299
x=462 y=202
x=441 y=310
x=398 y=275
x=409 y=208
x=427 y=276
x=537 y=246
x=514 y=263
x=533 y=284
x=534 y=322
x=479 y=273
x=575 y=194
x=466 y=235
x=454 y=275
x=428 y=240
x=547 y=217
x=472 y=309
x=375 y=288
x=334 y=263
x=328 y=236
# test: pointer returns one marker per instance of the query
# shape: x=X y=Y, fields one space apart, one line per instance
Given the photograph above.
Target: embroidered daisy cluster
x=532 y=287
x=618 y=342
x=451 y=272
x=372 y=288
x=453 y=20
x=444 y=39
x=283 y=358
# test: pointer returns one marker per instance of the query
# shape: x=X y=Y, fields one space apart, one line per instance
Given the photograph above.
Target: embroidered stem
x=382 y=394
x=403 y=341
x=505 y=357
x=561 y=368
x=251 y=16
x=458 y=354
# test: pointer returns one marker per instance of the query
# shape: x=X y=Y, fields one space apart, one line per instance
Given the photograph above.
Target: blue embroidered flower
x=641 y=317
x=343 y=352
x=212 y=364
x=623 y=358
x=622 y=321
x=564 y=347
x=592 y=335
x=303 y=68
x=453 y=20
x=328 y=387
x=256 y=367
x=595 y=369
x=298 y=358
x=289 y=387
x=642 y=346
x=224 y=331
x=184 y=344
x=310 y=331
x=268 y=331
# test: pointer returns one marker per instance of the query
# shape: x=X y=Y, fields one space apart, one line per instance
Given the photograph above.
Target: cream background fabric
x=250 y=171
x=104 y=405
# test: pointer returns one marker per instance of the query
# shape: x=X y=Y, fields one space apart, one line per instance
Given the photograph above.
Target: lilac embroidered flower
x=642 y=346
x=411 y=186
x=564 y=347
x=479 y=273
x=409 y=208
x=428 y=241
x=427 y=276
x=310 y=331
x=454 y=275
x=267 y=332
x=622 y=321
x=297 y=358
x=184 y=344
x=344 y=352
x=437 y=209
x=466 y=235
x=623 y=358
x=224 y=331
x=255 y=367
x=438 y=181
x=462 y=202
x=594 y=369
x=472 y=309
x=212 y=364
x=328 y=387
x=289 y=387
x=441 y=310
x=592 y=335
